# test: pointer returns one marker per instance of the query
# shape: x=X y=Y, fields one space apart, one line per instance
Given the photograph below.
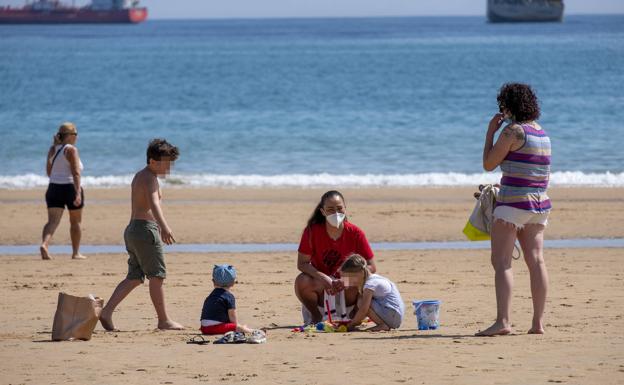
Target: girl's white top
x=61 y=169
x=385 y=292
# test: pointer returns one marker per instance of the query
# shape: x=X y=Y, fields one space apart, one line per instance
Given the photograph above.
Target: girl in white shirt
x=379 y=298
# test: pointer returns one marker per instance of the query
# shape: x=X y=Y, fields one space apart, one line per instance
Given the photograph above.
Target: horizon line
x=350 y=17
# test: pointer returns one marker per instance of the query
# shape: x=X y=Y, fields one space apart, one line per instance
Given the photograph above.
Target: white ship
x=504 y=11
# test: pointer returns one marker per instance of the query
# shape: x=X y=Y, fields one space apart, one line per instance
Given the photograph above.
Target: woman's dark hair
x=160 y=148
x=520 y=100
x=317 y=216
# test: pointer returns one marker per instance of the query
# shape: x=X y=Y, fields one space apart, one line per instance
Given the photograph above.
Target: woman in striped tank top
x=522 y=151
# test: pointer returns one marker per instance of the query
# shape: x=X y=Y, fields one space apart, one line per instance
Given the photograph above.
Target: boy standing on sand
x=145 y=235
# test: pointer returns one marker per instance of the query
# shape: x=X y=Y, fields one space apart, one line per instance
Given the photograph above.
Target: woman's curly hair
x=520 y=100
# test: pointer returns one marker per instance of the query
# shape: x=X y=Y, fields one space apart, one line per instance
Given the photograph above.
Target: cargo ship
x=55 y=12
x=506 y=11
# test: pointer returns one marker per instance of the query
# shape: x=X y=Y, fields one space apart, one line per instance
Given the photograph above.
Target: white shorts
x=519 y=218
x=389 y=316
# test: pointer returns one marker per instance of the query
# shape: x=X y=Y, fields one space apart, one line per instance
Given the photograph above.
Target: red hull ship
x=54 y=12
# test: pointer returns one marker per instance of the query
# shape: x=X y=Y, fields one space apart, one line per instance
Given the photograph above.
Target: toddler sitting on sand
x=378 y=297
x=219 y=311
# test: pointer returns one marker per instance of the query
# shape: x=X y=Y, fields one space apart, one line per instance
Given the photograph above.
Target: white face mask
x=335 y=219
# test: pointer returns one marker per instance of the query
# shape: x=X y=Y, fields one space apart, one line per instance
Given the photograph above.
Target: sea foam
x=564 y=178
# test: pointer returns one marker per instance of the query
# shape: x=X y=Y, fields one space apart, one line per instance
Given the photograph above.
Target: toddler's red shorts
x=221 y=328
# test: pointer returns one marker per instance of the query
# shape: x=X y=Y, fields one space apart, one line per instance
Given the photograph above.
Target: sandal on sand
x=257 y=337
x=198 y=340
x=232 y=338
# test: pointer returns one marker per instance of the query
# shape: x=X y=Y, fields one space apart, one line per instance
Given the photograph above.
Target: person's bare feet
x=537 y=327
x=536 y=330
x=107 y=322
x=45 y=255
x=78 y=256
x=169 y=325
x=497 y=329
x=379 y=328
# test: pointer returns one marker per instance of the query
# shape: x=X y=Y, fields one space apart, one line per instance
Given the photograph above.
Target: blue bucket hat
x=224 y=275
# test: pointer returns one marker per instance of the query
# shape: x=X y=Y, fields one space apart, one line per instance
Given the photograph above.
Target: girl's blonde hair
x=355 y=264
x=64 y=129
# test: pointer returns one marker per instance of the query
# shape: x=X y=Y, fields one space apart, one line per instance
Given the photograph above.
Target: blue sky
x=175 y=9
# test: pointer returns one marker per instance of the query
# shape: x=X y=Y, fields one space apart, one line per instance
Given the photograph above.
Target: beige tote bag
x=75 y=317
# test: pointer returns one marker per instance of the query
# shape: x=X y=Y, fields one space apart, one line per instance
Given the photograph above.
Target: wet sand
x=279 y=215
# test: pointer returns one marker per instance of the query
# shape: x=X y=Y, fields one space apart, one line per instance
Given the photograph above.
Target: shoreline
x=558 y=179
x=580 y=243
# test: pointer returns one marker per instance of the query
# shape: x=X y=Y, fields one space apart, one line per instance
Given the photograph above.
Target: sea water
x=307 y=102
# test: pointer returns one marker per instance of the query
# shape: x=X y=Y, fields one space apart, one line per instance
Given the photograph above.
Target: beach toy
x=427 y=314
x=328 y=311
x=335 y=309
x=328 y=326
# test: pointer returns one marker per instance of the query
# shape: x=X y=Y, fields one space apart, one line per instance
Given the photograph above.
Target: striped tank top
x=526 y=172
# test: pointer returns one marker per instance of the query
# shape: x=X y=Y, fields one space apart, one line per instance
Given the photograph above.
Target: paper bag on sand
x=75 y=317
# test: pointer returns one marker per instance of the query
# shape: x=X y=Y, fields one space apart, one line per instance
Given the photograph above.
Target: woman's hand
x=332 y=286
x=337 y=285
x=496 y=122
x=328 y=284
x=78 y=198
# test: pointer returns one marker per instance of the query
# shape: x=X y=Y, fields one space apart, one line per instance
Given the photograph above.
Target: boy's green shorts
x=145 y=249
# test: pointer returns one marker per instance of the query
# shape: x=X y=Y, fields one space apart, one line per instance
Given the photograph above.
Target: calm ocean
x=299 y=102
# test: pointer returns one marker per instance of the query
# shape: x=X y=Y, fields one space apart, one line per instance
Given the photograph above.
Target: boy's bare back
x=144 y=184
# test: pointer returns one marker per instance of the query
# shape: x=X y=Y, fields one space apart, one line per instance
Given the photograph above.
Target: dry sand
x=584 y=343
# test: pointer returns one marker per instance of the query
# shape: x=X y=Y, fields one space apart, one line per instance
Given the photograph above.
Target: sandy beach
x=583 y=344
x=249 y=107
x=205 y=215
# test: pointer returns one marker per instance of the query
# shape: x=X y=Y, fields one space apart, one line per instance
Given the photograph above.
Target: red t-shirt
x=328 y=254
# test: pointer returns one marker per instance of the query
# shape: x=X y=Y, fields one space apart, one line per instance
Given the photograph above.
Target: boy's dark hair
x=317 y=216
x=520 y=100
x=160 y=148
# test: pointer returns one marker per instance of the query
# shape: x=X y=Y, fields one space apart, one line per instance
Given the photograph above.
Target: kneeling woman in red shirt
x=327 y=241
